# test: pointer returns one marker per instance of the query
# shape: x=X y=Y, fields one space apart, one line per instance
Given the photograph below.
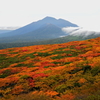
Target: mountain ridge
x=35 y=25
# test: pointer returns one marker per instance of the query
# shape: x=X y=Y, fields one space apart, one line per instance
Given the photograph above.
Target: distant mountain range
x=4 y=31
x=7 y=29
x=46 y=31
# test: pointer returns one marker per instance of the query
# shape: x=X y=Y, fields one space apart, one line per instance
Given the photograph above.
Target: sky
x=84 y=13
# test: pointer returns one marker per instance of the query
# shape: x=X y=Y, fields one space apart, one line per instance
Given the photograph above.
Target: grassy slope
x=51 y=41
x=68 y=71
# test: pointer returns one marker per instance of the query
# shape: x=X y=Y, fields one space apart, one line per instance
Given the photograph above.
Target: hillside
x=49 y=41
x=67 y=71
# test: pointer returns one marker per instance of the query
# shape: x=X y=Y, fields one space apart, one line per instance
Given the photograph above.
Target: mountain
x=38 y=24
x=67 y=71
x=41 y=30
x=46 y=31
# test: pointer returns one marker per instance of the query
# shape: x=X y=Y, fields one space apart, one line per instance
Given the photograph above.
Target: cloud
x=79 y=31
x=70 y=29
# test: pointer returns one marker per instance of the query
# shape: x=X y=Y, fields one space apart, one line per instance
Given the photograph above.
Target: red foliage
x=78 y=47
x=40 y=75
x=68 y=97
x=31 y=81
x=17 y=90
x=24 y=50
x=56 y=60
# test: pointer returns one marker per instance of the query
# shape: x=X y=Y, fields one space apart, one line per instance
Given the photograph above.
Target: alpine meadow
x=67 y=71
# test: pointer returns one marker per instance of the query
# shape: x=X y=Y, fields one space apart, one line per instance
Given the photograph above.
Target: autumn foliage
x=68 y=71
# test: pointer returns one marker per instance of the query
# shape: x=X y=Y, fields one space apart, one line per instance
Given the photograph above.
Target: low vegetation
x=67 y=71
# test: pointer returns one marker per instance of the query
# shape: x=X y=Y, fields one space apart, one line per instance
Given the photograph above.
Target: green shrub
x=2 y=57
x=36 y=96
x=86 y=68
x=88 y=97
x=24 y=77
x=31 y=55
x=43 y=54
x=19 y=65
x=61 y=88
x=93 y=97
x=77 y=84
x=74 y=71
x=14 y=60
x=5 y=73
x=95 y=71
x=57 y=57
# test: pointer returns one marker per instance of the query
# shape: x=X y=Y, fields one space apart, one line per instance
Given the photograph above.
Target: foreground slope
x=68 y=71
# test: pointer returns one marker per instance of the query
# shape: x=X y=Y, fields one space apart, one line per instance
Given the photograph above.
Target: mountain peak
x=49 y=18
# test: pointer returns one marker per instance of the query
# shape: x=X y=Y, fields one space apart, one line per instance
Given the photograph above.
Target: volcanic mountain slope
x=49 y=27
x=68 y=71
x=48 y=31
